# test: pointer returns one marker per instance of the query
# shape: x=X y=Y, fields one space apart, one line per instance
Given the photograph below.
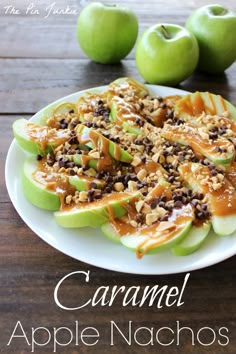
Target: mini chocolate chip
x=171 y=179
x=153 y=204
x=39 y=157
x=93 y=185
x=72 y=172
x=178 y=204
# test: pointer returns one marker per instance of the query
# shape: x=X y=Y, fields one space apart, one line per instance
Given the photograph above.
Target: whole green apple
x=106 y=33
x=166 y=54
x=215 y=29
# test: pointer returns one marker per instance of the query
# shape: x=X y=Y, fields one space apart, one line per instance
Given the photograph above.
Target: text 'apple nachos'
x=154 y=172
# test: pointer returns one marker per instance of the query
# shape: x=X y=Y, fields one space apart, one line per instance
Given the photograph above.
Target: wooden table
x=40 y=62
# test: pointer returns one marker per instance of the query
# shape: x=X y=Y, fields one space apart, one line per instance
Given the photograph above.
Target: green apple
x=193 y=105
x=214 y=26
x=92 y=138
x=188 y=135
x=96 y=213
x=83 y=183
x=106 y=32
x=110 y=232
x=38 y=139
x=193 y=241
x=223 y=225
x=138 y=242
x=124 y=84
x=166 y=54
x=36 y=192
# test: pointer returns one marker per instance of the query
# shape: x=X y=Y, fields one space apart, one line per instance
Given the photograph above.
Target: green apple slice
x=38 y=139
x=83 y=183
x=96 y=213
x=110 y=232
x=196 y=103
x=90 y=136
x=193 y=241
x=222 y=202
x=122 y=85
x=158 y=242
x=194 y=137
x=85 y=160
x=36 y=192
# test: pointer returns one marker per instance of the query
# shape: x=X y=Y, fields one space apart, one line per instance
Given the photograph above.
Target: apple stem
x=165 y=32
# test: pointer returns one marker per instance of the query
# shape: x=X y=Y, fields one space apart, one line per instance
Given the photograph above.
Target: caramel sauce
x=197 y=105
x=53 y=181
x=172 y=100
x=189 y=135
x=45 y=136
x=103 y=145
x=124 y=111
x=105 y=201
x=223 y=200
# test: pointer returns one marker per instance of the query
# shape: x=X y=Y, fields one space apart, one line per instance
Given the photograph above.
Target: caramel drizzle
x=45 y=136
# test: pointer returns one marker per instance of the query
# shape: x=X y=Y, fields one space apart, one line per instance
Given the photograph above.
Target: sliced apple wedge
x=193 y=241
x=38 y=139
x=96 y=213
x=83 y=183
x=38 y=193
x=156 y=242
x=110 y=232
x=196 y=103
x=126 y=85
x=90 y=136
x=221 y=200
x=220 y=151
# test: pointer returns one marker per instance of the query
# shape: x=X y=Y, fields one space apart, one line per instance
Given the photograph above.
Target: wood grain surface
x=40 y=61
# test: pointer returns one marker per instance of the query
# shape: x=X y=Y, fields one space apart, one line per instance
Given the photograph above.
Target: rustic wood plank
x=29 y=35
x=27 y=85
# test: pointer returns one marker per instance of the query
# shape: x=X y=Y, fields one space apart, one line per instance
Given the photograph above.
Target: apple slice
x=38 y=139
x=36 y=192
x=83 y=183
x=196 y=103
x=96 y=213
x=110 y=232
x=199 y=141
x=162 y=236
x=123 y=85
x=94 y=139
x=193 y=241
x=222 y=201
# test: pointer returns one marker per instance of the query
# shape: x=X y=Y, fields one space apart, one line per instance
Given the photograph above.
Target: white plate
x=88 y=245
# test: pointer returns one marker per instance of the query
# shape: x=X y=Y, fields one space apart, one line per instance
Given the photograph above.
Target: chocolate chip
x=39 y=157
x=72 y=172
x=93 y=185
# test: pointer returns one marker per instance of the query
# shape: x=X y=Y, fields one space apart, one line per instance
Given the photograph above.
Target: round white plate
x=88 y=244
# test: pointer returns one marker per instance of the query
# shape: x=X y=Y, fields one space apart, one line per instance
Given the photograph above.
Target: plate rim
x=225 y=255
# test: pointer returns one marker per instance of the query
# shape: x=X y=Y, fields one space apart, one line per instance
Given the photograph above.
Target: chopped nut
x=133 y=223
x=132 y=186
x=94 y=154
x=136 y=161
x=91 y=172
x=166 y=225
x=139 y=205
x=119 y=187
x=142 y=174
x=151 y=218
x=83 y=196
x=68 y=199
